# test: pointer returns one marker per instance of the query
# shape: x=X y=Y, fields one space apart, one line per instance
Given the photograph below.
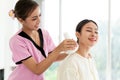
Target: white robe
x=76 y=67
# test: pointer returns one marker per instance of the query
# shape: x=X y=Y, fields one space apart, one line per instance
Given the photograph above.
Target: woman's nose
x=93 y=34
x=38 y=20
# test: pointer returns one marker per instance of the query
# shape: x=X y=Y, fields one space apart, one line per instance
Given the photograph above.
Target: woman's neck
x=33 y=34
x=84 y=52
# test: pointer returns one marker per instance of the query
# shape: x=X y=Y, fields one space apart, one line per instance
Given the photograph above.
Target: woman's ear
x=20 y=20
x=77 y=34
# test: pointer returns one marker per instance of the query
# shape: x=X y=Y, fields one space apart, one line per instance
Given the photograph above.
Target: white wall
x=7 y=29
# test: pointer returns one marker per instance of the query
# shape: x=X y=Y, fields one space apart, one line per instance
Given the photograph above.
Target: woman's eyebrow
x=91 y=28
x=88 y=28
x=34 y=17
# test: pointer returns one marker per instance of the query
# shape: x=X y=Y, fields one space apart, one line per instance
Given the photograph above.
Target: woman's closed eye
x=36 y=17
x=89 y=30
x=96 y=32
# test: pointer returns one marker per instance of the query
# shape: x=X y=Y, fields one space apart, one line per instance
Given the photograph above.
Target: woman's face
x=88 y=35
x=32 y=22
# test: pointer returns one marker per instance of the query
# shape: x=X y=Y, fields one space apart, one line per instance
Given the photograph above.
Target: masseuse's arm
x=39 y=68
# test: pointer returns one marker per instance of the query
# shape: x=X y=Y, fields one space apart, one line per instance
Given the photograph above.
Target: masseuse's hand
x=67 y=44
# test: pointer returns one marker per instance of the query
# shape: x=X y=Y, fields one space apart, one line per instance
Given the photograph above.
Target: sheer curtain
x=73 y=11
x=60 y=16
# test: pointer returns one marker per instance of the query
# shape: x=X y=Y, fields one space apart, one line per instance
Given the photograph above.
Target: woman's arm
x=61 y=56
x=55 y=55
x=39 y=68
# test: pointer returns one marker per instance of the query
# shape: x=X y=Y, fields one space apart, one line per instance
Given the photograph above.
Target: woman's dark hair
x=24 y=8
x=82 y=23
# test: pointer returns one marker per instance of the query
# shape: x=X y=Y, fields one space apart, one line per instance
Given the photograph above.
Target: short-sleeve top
x=23 y=47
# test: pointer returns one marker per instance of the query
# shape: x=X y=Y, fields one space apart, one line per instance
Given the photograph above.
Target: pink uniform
x=23 y=47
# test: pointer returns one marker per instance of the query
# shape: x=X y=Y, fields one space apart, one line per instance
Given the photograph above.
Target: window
x=115 y=39
x=73 y=11
x=63 y=16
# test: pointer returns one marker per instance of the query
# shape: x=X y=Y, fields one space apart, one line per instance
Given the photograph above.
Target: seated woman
x=80 y=64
